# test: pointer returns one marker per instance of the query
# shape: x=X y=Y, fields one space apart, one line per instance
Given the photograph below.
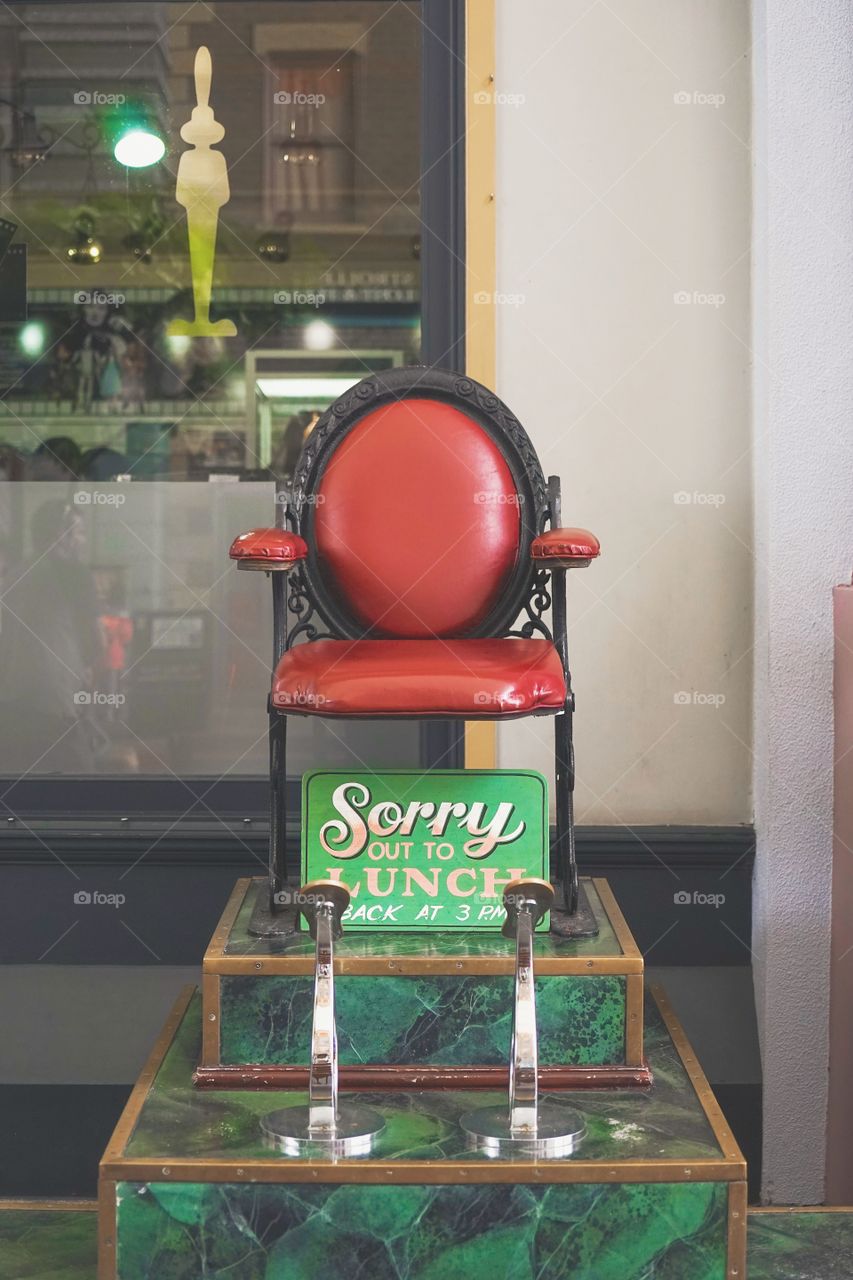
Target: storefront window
x=128 y=644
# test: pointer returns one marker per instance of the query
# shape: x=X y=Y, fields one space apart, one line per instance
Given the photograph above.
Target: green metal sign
x=425 y=850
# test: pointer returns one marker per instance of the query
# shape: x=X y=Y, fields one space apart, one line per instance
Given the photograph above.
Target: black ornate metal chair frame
x=317 y=612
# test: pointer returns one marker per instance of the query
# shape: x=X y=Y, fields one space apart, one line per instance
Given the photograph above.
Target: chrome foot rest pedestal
x=545 y=1130
x=345 y=1129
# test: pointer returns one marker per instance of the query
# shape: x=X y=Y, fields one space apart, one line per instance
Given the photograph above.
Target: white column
x=803 y=468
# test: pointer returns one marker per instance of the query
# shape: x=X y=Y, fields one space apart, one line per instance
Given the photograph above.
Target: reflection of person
x=292 y=443
x=57 y=458
x=11 y=463
x=98 y=343
x=102 y=463
x=133 y=365
x=117 y=632
x=49 y=649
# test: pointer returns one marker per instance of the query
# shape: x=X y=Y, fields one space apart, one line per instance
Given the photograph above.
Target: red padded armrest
x=566 y=548
x=268 y=549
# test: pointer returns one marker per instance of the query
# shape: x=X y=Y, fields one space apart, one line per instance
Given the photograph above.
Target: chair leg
x=564 y=845
x=278 y=781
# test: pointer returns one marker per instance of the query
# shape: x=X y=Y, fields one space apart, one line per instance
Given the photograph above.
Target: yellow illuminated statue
x=202 y=188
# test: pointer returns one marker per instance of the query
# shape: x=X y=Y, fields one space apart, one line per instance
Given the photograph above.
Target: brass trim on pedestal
x=618 y=923
x=736 y=1242
x=420 y=1173
x=704 y=1092
x=222 y=932
x=634 y=992
x=106 y=1228
x=10 y=1205
x=417 y=966
x=800 y=1208
x=128 y=1118
x=211 y=1022
x=121 y=1134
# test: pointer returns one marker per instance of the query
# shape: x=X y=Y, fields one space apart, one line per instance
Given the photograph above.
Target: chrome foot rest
x=545 y=1130
x=338 y=1129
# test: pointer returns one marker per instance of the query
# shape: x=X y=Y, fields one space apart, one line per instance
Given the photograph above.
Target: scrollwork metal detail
x=301 y=607
x=535 y=607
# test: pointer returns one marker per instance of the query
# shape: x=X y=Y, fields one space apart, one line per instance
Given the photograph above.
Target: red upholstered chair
x=417 y=557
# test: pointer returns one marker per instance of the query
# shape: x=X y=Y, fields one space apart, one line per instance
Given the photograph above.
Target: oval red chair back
x=419 y=504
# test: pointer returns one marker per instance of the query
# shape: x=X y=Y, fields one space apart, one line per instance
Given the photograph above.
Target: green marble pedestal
x=47 y=1240
x=187 y=1190
x=422 y=1010
x=801 y=1244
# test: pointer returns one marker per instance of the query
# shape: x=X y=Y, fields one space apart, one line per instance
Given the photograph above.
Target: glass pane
x=129 y=643
x=298 y=186
x=287 y=158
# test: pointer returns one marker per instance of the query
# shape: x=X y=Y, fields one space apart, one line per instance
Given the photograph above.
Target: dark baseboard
x=54 y=1136
x=242 y=841
x=175 y=886
x=741 y=1105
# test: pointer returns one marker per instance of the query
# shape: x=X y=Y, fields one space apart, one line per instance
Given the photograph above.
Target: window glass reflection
x=129 y=643
x=316 y=217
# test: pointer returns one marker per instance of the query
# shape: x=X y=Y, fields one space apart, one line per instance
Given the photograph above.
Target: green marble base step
x=43 y=1240
x=800 y=1244
x=657 y=1188
x=48 y=1240
x=413 y=1005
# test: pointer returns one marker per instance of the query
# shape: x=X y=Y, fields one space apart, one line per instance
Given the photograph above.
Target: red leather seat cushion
x=474 y=678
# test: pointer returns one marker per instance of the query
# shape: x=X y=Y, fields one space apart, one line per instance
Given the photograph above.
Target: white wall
x=612 y=198
x=803 y=88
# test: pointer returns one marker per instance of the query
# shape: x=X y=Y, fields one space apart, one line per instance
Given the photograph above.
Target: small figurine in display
x=202 y=188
